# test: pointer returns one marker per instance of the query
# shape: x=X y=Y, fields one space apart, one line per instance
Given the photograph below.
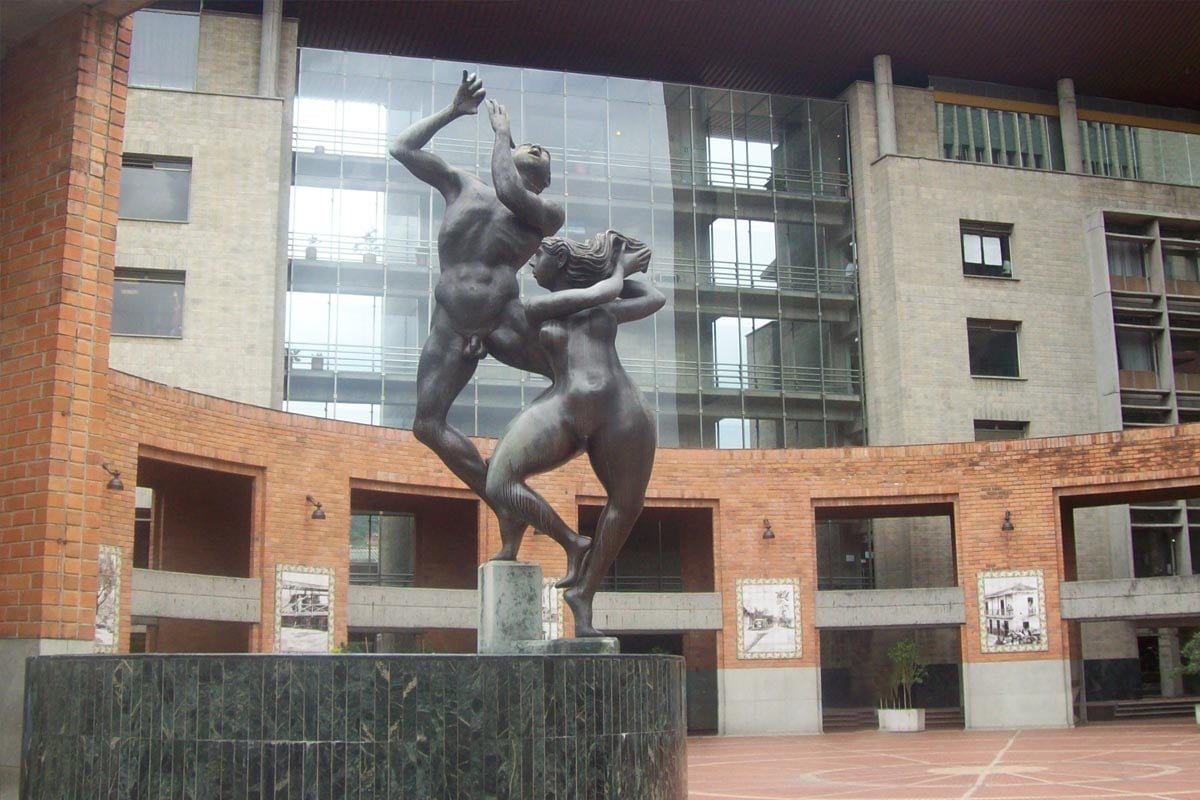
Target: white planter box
x=902 y=720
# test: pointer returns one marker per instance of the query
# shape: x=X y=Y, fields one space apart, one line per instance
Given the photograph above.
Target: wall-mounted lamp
x=320 y=512
x=1007 y=525
x=114 y=482
x=767 y=532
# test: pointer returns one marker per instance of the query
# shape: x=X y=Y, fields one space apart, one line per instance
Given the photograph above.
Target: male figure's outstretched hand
x=469 y=95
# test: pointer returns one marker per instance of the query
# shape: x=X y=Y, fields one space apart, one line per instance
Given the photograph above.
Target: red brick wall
x=981 y=480
x=63 y=99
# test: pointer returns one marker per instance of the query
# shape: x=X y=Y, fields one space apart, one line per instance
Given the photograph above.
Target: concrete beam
x=393 y=608
x=890 y=608
x=657 y=611
x=1132 y=598
x=182 y=595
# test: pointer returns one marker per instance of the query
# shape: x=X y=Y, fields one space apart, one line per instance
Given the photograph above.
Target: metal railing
x=369 y=574
x=641 y=583
x=599 y=164
x=419 y=256
x=648 y=374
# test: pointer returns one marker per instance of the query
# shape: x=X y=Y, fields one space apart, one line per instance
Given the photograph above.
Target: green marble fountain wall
x=348 y=726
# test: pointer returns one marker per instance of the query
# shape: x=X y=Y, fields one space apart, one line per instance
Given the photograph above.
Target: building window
x=985 y=250
x=1109 y=149
x=148 y=303
x=992 y=430
x=164 y=49
x=155 y=188
x=1182 y=263
x=993 y=348
x=1006 y=138
x=382 y=549
x=1135 y=351
x=1127 y=256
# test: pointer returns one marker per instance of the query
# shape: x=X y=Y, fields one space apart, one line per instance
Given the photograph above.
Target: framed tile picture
x=108 y=599
x=768 y=618
x=1012 y=611
x=303 y=609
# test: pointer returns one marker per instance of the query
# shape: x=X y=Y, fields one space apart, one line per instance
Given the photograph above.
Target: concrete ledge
x=1130 y=598
x=394 y=608
x=183 y=595
x=762 y=701
x=657 y=611
x=890 y=608
x=1017 y=694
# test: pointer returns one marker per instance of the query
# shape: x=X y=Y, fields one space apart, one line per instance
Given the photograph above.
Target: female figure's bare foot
x=581 y=610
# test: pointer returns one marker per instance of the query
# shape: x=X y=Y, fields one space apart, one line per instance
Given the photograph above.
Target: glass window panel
x=148 y=303
x=993 y=348
x=1135 y=350
x=340 y=197
x=972 y=248
x=1181 y=265
x=155 y=188
x=991 y=251
x=164 y=50
x=1126 y=258
x=329 y=61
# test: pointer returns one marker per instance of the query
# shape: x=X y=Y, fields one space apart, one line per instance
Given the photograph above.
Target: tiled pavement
x=1157 y=759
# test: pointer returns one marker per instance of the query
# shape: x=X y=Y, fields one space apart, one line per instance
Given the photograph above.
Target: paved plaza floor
x=1157 y=759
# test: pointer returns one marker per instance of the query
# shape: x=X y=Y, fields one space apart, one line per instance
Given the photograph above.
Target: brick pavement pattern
x=1142 y=760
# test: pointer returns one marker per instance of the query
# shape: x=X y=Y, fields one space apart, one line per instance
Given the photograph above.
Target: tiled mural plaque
x=768 y=618
x=1012 y=611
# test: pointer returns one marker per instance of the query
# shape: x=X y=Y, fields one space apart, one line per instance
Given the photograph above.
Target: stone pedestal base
x=510 y=605
x=368 y=727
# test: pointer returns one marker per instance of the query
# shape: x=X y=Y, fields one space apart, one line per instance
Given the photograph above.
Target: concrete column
x=1169 y=676
x=885 y=106
x=1068 y=117
x=268 y=53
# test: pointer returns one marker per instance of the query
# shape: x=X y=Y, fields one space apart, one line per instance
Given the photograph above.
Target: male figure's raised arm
x=529 y=206
x=425 y=165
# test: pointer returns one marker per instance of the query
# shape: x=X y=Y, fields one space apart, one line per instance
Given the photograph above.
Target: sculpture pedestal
x=450 y=727
x=510 y=615
x=510 y=606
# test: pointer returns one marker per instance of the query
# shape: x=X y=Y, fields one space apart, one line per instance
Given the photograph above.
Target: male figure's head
x=533 y=165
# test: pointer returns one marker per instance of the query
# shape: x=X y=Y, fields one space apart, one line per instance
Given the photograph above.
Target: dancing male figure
x=487 y=235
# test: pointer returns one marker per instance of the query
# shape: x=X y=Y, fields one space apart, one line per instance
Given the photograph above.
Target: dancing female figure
x=592 y=406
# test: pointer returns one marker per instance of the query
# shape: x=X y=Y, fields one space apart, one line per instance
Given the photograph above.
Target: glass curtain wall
x=744 y=199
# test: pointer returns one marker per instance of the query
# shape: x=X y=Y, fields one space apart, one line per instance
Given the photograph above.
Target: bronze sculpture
x=569 y=336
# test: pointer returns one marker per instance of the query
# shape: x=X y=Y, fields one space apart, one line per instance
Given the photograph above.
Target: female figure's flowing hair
x=586 y=263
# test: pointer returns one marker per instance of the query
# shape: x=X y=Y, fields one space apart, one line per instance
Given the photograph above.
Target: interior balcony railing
x=641 y=583
x=325 y=262
x=649 y=374
x=845 y=582
x=371 y=574
x=591 y=164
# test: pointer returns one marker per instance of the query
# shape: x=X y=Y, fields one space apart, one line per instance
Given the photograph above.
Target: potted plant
x=310 y=251
x=369 y=247
x=907 y=669
x=1190 y=656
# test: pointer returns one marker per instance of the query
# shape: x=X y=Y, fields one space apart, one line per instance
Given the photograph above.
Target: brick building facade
x=229 y=481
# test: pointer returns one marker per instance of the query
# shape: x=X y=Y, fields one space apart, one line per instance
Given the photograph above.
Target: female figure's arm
x=637 y=300
x=566 y=302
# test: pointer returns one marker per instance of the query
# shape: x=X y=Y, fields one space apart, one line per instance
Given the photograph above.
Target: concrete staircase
x=1156 y=707
x=834 y=720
